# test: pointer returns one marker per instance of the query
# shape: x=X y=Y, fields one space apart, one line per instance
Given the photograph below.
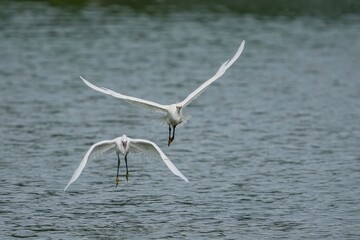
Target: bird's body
x=174 y=115
x=173 y=112
x=123 y=146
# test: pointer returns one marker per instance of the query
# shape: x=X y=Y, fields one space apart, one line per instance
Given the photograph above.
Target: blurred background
x=272 y=150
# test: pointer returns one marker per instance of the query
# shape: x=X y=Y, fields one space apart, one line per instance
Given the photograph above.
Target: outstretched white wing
x=218 y=74
x=142 y=145
x=95 y=151
x=155 y=107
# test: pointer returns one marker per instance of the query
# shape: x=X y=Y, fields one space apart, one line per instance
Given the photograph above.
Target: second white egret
x=123 y=145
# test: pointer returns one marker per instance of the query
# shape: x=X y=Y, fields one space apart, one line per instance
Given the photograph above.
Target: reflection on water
x=323 y=8
x=271 y=150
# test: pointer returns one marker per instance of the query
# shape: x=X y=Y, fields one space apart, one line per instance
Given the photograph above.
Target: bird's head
x=124 y=141
x=178 y=108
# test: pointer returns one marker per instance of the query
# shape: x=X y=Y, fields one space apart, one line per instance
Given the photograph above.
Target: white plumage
x=173 y=112
x=123 y=145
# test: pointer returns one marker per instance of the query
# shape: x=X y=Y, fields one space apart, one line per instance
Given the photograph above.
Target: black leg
x=173 y=136
x=117 y=174
x=127 y=172
x=169 y=140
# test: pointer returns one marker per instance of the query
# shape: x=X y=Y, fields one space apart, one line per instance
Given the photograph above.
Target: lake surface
x=272 y=150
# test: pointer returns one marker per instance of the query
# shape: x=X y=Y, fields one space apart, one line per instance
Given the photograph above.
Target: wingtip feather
x=85 y=81
x=242 y=45
x=236 y=56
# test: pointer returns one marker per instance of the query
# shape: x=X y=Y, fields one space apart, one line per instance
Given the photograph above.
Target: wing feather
x=95 y=151
x=226 y=65
x=152 y=106
x=142 y=145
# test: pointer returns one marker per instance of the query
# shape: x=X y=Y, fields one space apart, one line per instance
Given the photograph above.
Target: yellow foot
x=117 y=181
x=127 y=177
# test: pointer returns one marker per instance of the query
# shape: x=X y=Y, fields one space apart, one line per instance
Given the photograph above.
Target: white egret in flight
x=124 y=145
x=172 y=112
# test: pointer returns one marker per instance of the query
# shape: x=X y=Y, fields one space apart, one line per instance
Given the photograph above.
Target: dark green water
x=272 y=150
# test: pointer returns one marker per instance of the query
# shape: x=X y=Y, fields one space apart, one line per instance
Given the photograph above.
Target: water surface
x=271 y=150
